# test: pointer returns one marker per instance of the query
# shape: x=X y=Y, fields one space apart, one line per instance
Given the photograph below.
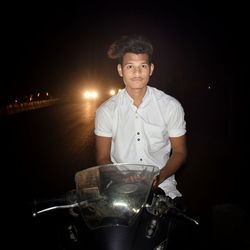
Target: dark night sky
x=59 y=47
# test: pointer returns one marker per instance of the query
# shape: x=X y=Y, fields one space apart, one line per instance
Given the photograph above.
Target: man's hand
x=156 y=182
x=135 y=178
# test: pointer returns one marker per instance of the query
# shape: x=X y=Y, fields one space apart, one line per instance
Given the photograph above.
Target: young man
x=141 y=124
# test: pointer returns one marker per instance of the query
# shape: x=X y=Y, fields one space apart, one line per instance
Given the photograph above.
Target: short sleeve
x=176 y=121
x=103 y=123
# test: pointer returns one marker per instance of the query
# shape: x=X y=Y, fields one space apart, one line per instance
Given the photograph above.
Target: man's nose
x=137 y=70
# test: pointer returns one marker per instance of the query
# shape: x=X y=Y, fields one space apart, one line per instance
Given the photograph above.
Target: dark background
x=58 y=46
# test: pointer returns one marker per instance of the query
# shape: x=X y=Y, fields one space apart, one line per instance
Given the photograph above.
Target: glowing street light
x=90 y=95
x=112 y=92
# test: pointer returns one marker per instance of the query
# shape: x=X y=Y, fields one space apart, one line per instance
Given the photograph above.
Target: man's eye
x=144 y=66
x=129 y=66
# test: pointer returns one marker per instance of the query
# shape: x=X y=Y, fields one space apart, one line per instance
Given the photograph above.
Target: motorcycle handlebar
x=162 y=204
x=177 y=212
x=55 y=208
x=69 y=200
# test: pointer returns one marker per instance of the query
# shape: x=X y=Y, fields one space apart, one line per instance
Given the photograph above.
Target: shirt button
x=138 y=139
x=140 y=159
x=138 y=133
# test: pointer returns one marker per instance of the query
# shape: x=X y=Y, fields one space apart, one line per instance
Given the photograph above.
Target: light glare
x=90 y=95
x=112 y=92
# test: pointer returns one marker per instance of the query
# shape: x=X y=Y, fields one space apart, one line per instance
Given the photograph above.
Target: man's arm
x=177 y=158
x=103 y=147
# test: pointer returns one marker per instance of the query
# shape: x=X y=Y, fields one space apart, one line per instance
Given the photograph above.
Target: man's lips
x=136 y=79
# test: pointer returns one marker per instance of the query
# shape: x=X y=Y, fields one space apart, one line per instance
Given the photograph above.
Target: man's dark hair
x=136 y=44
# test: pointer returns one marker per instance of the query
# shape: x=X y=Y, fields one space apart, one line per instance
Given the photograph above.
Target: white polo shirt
x=141 y=135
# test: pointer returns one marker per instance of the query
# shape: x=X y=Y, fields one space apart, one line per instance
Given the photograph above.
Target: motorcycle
x=114 y=207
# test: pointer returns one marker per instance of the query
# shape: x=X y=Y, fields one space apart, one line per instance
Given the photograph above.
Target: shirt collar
x=145 y=100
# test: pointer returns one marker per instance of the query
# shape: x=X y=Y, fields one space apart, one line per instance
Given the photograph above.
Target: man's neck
x=137 y=95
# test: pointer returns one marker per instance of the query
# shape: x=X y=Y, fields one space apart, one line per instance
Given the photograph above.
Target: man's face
x=135 y=70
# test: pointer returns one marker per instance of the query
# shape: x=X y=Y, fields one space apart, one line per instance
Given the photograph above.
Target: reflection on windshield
x=113 y=194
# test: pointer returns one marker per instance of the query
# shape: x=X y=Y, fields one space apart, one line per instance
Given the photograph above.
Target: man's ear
x=119 y=69
x=151 y=68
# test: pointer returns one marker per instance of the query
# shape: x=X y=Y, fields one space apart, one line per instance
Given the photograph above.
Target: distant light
x=47 y=93
x=112 y=92
x=38 y=94
x=90 y=95
x=94 y=94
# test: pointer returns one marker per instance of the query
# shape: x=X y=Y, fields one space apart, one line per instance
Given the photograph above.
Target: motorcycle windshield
x=113 y=194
